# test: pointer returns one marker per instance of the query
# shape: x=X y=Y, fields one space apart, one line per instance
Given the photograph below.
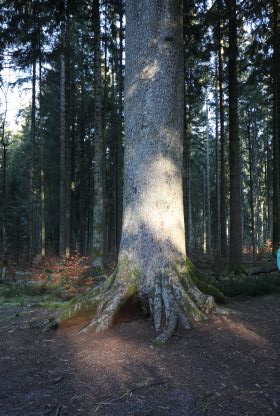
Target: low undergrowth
x=250 y=285
x=232 y=285
x=49 y=296
x=50 y=284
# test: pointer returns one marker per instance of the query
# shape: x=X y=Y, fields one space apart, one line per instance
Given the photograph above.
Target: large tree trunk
x=152 y=264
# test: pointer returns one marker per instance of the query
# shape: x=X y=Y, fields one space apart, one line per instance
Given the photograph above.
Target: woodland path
x=224 y=367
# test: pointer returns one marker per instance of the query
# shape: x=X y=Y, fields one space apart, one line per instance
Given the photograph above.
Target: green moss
x=189 y=271
x=250 y=286
x=32 y=294
x=238 y=271
x=209 y=289
x=77 y=308
x=104 y=292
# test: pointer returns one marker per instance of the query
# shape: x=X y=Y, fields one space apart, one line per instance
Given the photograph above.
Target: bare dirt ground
x=226 y=366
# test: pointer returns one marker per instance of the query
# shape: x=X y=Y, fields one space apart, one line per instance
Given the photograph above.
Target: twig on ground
x=58 y=409
x=263 y=271
x=128 y=392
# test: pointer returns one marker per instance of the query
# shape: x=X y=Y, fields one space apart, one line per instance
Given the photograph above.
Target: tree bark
x=99 y=163
x=69 y=139
x=251 y=185
x=152 y=263
x=218 y=174
x=208 y=196
x=82 y=164
x=276 y=123
x=235 y=255
x=223 y=216
x=31 y=180
x=119 y=191
x=62 y=181
x=42 y=165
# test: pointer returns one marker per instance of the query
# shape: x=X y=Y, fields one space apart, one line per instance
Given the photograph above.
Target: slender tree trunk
x=99 y=162
x=119 y=182
x=268 y=189
x=187 y=184
x=255 y=181
x=69 y=129
x=208 y=196
x=4 y=145
x=234 y=146
x=82 y=168
x=251 y=186
x=62 y=194
x=223 y=215
x=31 y=180
x=276 y=123
x=42 y=169
x=186 y=157
x=4 y=212
x=218 y=193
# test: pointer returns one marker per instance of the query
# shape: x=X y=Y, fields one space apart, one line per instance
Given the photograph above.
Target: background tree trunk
x=223 y=215
x=235 y=255
x=99 y=162
x=119 y=158
x=276 y=123
x=251 y=185
x=42 y=165
x=208 y=190
x=62 y=181
x=31 y=178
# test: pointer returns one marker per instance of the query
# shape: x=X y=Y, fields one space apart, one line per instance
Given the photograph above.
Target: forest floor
x=226 y=366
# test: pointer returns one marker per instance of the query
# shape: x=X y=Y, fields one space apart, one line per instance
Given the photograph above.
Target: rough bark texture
x=31 y=177
x=119 y=148
x=69 y=131
x=218 y=170
x=251 y=185
x=152 y=263
x=62 y=181
x=42 y=166
x=235 y=255
x=276 y=123
x=98 y=210
x=208 y=190
x=222 y=138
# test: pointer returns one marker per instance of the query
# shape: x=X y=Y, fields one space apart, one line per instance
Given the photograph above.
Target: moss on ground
x=250 y=285
x=42 y=295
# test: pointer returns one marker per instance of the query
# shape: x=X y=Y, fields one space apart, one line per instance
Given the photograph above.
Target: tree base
x=174 y=298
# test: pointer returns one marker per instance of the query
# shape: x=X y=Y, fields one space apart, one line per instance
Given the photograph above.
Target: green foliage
x=250 y=286
x=49 y=296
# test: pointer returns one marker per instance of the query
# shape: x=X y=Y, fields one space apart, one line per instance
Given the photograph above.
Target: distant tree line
x=61 y=173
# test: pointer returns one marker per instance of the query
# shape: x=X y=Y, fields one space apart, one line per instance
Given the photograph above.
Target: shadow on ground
x=226 y=366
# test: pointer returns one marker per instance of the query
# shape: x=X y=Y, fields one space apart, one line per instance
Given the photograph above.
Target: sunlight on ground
x=245 y=333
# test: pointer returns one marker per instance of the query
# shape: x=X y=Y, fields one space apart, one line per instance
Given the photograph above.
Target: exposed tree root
x=173 y=299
